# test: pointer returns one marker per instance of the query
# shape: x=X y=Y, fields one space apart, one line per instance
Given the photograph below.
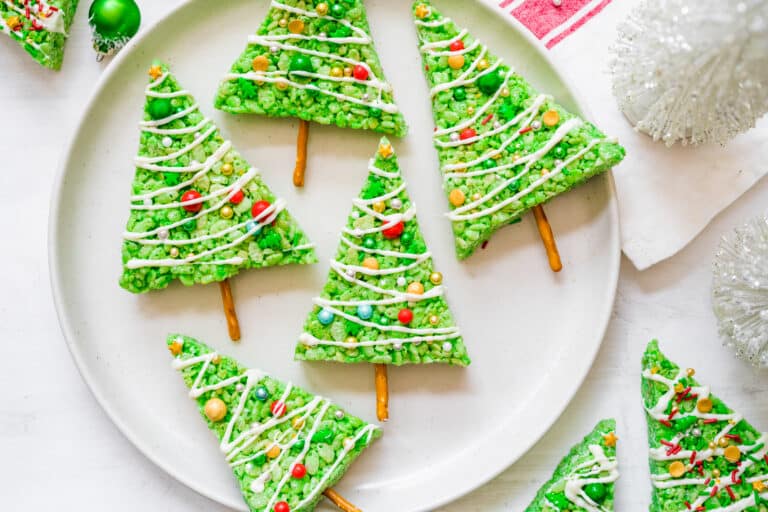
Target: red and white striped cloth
x=651 y=182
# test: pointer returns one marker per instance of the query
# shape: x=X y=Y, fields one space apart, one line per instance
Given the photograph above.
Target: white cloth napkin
x=666 y=196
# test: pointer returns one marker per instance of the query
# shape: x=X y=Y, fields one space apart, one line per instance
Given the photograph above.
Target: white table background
x=58 y=448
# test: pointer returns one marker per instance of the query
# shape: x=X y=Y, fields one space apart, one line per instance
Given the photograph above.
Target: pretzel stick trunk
x=382 y=392
x=229 y=310
x=339 y=501
x=545 y=230
x=301 y=154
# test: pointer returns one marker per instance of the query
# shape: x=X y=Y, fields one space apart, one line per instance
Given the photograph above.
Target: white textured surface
x=59 y=449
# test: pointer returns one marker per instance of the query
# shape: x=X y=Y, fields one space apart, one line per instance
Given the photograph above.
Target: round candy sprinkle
x=369 y=243
x=261 y=393
x=162 y=234
x=482 y=65
x=456 y=197
x=704 y=405
x=339 y=414
x=436 y=278
x=401 y=281
x=283 y=22
x=174 y=252
x=237 y=197
x=321 y=9
x=296 y=26
x=260 y=63
x=397 y=345
x=415 y=288
x=259 y=207
x=379 y=206
x=434 y=319
x=454 y=137
x=405 y=316
x=338 y=11
x=167 y=142
x=456 y=61
x=716 y=473
x=254 y=228
x=226 y=212
x=490 y=83
x=723 y=442
x=677 y=469
x=297 y=423
x=273 y=451
x=191 y=195
x=536 y=125
x=459 y=94
x=457 y=45
x=396 y=204
x=595 y=491
x=447 y=347
x=371 y=263
x=349 y=443
x=467 y=133
x=336 y=72
x=351 y=340
x=325 y=316
x=364 y=311
x=476 y=196
x=278 y=408
x=160 y=108
x=360 y=72
x=227 y=169
x=394 y=231
x=298 y=471
x=550 y=118
x=215 y=409
x=300 y=62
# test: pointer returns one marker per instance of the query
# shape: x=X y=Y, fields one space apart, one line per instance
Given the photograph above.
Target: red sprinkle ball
x=191 y=195
x=394 y=231
x=237 y=197
x=282 y=506
x=259 y=207
x=298 y=470
x=360 y=72
x=467 y=133
x=457 y=45
x=405 y=316
x=278 y=408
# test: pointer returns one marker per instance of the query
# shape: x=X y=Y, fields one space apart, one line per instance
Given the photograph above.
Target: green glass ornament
x=113 y=23
x=490 y=83
x=300 y=62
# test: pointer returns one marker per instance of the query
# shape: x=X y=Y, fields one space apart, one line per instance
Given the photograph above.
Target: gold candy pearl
x=704 y=405
x=505 y=92
x=226 y=212
x=550 y=118
x=351 y=340
x=676 y=469
x=723 y=442
x=690 y=372
x=712 y=445
x=283 y=22
x=434 y=319
x=457 y=197
x=260 y=63
x=483 y=64
x=456 y=61
x=273 y=451
x=321 y=9
x=227 y=169
x=436 y=278
x=347 y=71
x=379 y=206
x=215 y=409
x=297 y=423
x=336 y=71
x=282 y=85
x=296 y=27
x=415 y=288
x=216 y=359
x=371 y=263
x=732 y=454
x=174 y=252
x=716 y=473
x=470 y=110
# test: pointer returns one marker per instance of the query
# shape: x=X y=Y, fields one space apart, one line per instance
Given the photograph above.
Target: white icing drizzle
x=309 y=340
x=141 y=161
x=465 y=50
x=233 y=448
x=591 y=472
x=313 y=14
x=464 y=78
x=178 y=131
x=172 y=117
x=425 y=47
x=381 y=172
x=666 y=480
x=434 y=23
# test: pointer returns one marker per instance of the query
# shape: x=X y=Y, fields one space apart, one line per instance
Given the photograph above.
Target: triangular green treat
x=503 y=147
x=199 y=212
x=314 y=60
x=703 y=455
x=383 y=301
x=584 y=479
x=285 y=446
x=40 y=27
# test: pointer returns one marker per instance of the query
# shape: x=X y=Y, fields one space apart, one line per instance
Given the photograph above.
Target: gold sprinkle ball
x=174 y=252
x=550 y=118
x=296 y=27
x=226 y=212
x=260 y=63
x=154 y=71
x=227 y=169
x=347 y=71
x=415 y=288
x=476 y=196
x=732 y=454
x=379 y=206
x=704 y=405
x=371 y=263
x=321 y=9
x=215 y=409
x=434 y=319
x=336 y=71
x=283 y=22
x=712 y=445
x=690 y=372
x=505 y=93
x=723 y=442
x=716 y=473
x=175 y=348
x=677 y=469
x=456 y=197
x=273 y=451
x=436 y=278
x=216 y=359
x=351 y=340
x=297 y=423
x=483 y=64
x=456 y=61
x=281 y=85
x=470 y=110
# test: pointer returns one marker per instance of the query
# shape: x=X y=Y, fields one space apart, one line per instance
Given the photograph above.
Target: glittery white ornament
x=693 y=71
x=740 y=291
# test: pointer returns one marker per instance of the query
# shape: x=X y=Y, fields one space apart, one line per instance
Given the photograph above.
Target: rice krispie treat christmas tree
x=383 y=302
x=703 y=454
x=314 y=60
x=40 y=27
x=199 y=212
x=286 y=447
x=584 y=479
x=504 y=148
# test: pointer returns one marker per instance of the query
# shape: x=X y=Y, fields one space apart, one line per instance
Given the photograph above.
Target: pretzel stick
x=301 y=153
x=545 y=230
x=382 y=392
x=339 y=501
x=229 y=310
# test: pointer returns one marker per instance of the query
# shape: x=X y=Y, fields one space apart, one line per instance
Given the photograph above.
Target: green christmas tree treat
x=286 y=447
x=383 y=302
x=199 y=212
x=315 y=61
x=503 y=147
x=40 y=27
x=703 y=455
x=584 y=479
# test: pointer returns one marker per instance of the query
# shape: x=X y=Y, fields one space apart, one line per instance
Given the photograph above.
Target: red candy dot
x=259 y=207
x=191 y=195
x=394 y=231
x=237 y=197
x=360 y=72
x=298 y=470
x=282 y=506
x=467 y=133
x=278 y=408
x=457 y=45
x=405 y=316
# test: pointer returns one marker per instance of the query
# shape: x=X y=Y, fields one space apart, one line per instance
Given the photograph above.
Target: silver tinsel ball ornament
x=740 y=291
x=693 y=71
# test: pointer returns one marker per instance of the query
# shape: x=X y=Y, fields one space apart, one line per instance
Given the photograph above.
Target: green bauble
x=490 y=83
x=301 y=62
x=113 y=23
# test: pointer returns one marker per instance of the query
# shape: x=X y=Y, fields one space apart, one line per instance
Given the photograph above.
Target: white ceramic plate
x=532 y=335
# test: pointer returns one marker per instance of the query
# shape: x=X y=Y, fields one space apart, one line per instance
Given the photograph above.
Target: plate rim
x=54 y=272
